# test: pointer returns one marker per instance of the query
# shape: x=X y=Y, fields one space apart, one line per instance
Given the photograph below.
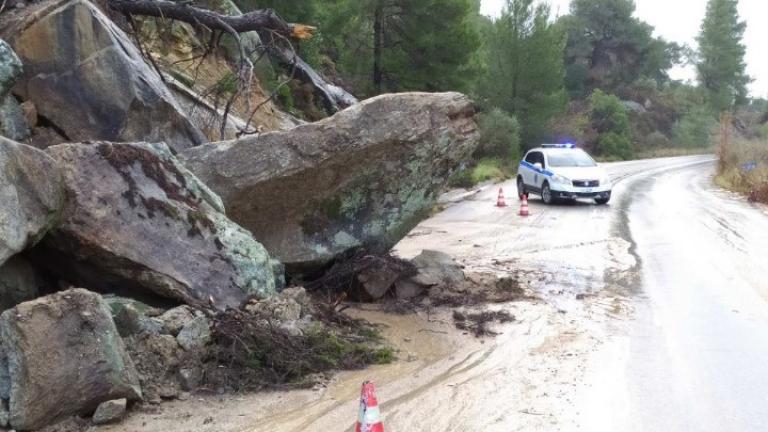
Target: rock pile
x=124 y=236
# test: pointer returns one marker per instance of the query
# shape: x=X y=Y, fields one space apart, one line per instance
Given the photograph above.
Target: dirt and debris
x=479 y=289
x=363 y=275
x=478 y=322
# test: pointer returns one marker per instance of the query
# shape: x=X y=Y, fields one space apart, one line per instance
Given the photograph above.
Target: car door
x=536 y=174
x=527 y=170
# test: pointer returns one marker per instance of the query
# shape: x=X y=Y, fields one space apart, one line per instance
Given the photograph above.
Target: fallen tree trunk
x=273 y=30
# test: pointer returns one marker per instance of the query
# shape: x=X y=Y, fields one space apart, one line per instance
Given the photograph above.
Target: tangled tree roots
x=251 y=352
x=342 y=277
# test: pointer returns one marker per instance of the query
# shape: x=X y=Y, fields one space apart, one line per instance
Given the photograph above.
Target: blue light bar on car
x=566 y=145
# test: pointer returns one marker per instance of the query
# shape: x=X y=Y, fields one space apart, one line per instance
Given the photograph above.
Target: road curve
x=695 y=355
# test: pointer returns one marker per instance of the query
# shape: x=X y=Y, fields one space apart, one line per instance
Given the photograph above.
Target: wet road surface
x=695 y=355
x=653 y=317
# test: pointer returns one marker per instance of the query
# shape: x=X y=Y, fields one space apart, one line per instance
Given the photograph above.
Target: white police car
x=562 y=172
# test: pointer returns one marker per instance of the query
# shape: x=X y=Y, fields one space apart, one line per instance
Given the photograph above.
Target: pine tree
x=525 y=72
x=397 y=45
x=608 y=48
x=721 y=67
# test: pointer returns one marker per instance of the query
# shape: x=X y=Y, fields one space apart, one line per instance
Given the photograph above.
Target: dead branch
x=258 y=20
x=275 y=33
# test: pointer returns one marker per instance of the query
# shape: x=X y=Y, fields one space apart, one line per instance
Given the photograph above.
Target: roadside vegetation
x=743 y=164
x=595 y=75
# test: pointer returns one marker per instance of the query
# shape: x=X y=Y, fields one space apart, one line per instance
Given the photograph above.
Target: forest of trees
x=597 y=75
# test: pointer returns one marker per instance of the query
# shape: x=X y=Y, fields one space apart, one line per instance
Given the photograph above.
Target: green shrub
x=762 y=131
x=613 y=145
x=496 y=169
x=499 y=135
x=694 y=129
x=609 y=118
x=657 y=140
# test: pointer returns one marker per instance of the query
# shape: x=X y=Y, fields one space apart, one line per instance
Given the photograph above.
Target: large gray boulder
x=10 y=68
x=87 y=77
x=12 y=124
x=18 y=282
x=136 y=219
x=31 y=196
x=363 y=177
x=64 y=357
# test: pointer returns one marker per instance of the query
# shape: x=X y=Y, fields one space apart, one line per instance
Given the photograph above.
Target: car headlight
x=560 y=179
x=605 y=181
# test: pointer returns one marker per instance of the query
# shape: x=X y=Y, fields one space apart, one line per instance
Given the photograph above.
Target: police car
x=562 y=172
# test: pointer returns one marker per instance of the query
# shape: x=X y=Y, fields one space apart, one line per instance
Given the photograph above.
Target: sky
x=679 y=21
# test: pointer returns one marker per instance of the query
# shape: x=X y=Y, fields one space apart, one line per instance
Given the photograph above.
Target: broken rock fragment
x=63 y=357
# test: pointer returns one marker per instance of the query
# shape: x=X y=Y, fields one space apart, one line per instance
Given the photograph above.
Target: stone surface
x=31 y=196
x=173 y=320
x=130 y=321
x=365 y=176
x=18 y=282
x=190 y=378
x=10 y=68
x=195 y=334
x=376 y=282
x=65 y=357
x=87 y=77
x=407 y=289
x=437 y=268
x=13 y=124
x=135 y=219
x=110 y=411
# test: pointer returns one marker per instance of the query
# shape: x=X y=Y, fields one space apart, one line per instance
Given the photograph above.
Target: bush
x=694 y=129
x=657 y=140
x=609 y=118
x=499 y=135
x=613 y=145
x=484 y=170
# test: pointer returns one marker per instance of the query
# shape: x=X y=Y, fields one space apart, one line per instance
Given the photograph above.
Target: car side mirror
x=538 y=165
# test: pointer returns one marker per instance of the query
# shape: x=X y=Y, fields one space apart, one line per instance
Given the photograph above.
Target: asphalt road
x=694 y=356
x=654 y=318
x=682 y=269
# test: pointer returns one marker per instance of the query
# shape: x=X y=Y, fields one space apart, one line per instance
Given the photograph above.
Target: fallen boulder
x=195 y=334
x=12 y=123
x=437 y=268
x=135 y=219
x=86 y=77
x=110 y=411
x=18 y=283
x=31 y=196
x=363 y=177
x=64 y=357
x=10 y=68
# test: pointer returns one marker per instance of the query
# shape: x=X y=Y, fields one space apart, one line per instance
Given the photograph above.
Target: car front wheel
x=602 y=201
x=546 y=194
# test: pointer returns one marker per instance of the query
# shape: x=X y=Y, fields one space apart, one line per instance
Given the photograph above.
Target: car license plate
x=589 y=190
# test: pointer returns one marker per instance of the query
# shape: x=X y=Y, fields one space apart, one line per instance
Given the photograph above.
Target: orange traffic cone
x=524 y=207
x=370 y=417
x=500 y=200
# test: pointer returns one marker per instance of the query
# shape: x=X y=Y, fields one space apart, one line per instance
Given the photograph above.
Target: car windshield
x=570 y=158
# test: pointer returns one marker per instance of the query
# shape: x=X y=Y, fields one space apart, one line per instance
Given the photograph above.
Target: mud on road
x=580 y=262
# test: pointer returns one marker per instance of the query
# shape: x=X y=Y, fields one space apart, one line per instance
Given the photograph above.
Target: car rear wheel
x=546 y=194
x=521 y=188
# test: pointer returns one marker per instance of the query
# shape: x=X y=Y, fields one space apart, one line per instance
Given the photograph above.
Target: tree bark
x=378 y=41
x=275 y=34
